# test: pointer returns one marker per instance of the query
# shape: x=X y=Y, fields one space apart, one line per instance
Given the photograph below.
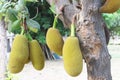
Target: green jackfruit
x=110 y=6
x=19 y=54
x=14 y=65
x=54 y=40
x=36 y=55
x=72 y=56
x=20 y=48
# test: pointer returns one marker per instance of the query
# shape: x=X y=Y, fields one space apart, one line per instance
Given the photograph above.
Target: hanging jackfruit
x=20 y=48
x=72 y=56
x=36 y=55
x=19 y=54
x=110 y=6
x=54 y=40
x=14 y=65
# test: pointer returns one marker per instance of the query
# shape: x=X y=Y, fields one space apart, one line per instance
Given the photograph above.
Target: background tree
x=113 y=22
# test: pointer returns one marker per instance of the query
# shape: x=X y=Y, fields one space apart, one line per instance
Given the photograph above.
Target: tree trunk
x=3 y=50
x=92 y=33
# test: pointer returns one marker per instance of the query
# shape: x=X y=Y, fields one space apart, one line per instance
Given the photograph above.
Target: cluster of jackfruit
x=70 y=50
x=110 y=6
x=23 y=52
x=54 y=40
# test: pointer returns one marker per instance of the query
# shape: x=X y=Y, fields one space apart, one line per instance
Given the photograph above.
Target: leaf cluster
x=45 y=18
x=34 y=16
x=113 y=22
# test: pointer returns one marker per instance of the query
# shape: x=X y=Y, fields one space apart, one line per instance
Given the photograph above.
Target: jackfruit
x=110 y=6
x=36 y=55
x=14 y=65
x=72 y=56
x=54 y=40
x=20 y=48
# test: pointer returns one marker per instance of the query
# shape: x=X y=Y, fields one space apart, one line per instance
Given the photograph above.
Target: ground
x=54 y=70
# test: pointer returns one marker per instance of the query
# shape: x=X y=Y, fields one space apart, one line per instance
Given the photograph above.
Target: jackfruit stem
x=73 y=26
x=22 y=31
x=30 y=37
x=55 y=21
x=72 y=30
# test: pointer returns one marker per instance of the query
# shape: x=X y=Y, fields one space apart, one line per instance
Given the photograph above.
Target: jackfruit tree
x=88 y=40
x=91 y=30
x=112 y=22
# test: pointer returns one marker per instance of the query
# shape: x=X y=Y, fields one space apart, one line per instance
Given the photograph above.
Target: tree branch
x=68 y=10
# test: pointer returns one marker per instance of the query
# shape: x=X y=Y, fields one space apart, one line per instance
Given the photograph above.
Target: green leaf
x=11 y=14
x=32 y=0
x=33 y=25
x=47 y=25
x=22 y=2
x=21 y=5
x=16 y=25
x=29 y=37
x=35 y=30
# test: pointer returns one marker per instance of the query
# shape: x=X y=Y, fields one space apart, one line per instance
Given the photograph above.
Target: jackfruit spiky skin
x=20 y=48
x=14 y=65
x=110 y=6
x=36 y=55
x=19 y=54
x=72 y=56
x=54 y=41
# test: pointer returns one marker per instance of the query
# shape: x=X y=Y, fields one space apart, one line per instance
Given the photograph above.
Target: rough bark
x=3 y=50
x=92 y=33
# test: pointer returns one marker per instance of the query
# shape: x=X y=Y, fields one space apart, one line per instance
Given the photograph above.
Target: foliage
x=35 y=17
x=113 y=22
x=16 y=14
x=45 y=18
